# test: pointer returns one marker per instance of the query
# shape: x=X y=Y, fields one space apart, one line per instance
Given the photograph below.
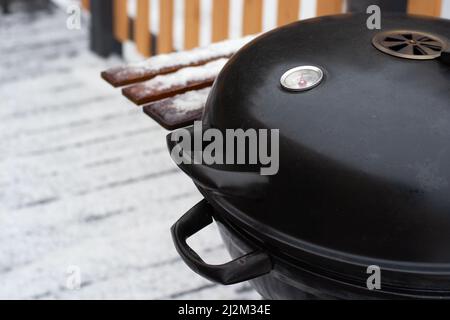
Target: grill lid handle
x=222 y=182
x=445 y=56
x=247 y=267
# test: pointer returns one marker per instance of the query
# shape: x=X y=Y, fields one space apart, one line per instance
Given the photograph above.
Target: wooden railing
x=85 y=4
x=252 y=19
x=427 y=7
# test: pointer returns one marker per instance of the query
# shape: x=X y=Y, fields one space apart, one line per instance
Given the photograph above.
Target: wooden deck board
x=85 y=180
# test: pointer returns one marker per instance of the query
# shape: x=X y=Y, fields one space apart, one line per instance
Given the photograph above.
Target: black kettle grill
x=364 y=174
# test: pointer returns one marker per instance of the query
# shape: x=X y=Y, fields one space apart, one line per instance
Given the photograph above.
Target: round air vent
x=409 y=44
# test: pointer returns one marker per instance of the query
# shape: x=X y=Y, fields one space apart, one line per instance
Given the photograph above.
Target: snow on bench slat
x=164 y=86
x=179 y=111
x=167 y=63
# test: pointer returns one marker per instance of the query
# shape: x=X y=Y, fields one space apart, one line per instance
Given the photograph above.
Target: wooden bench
x=173 y=88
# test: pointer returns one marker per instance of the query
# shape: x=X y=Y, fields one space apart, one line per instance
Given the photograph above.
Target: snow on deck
x=86 y=180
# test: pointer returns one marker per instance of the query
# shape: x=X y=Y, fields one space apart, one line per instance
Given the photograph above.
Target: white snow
x=181 y=78
x=175 y=108
x=86 y=179
x=190 y=101
x=446 y=9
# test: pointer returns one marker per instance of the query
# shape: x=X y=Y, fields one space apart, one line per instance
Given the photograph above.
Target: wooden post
x=121 y=23
x=288 y=11
x=165 y=36
x=327 y=7
x=192 y=24
x=220 y=20
x=425 y=7
x=102 y=40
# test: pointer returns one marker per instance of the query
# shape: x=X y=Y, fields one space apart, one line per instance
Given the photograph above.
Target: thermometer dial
x=302 y=78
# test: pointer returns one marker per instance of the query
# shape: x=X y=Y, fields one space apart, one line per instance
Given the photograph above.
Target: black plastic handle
x=223 y=182
x=247 y=267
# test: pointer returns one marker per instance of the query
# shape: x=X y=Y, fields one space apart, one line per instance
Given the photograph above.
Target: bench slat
x=164 y=86
x=178 y=111
x=163 y=64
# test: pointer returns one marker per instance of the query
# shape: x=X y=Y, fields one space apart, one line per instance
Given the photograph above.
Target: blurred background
x=88 y=191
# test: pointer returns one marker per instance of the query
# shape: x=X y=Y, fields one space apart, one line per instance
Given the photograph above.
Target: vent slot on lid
x=410 y=44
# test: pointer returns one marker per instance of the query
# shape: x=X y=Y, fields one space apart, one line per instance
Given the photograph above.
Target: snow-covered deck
x=85 y=179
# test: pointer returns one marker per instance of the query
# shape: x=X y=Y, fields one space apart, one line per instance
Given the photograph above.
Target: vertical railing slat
x=327 y=7
x=425 y=7
x=86 y=4
x=121 y=27
x=253 y=11
x=220 y=20
x=165 y=36
x=288 y=11
x=141 y=28
x=192 y=24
